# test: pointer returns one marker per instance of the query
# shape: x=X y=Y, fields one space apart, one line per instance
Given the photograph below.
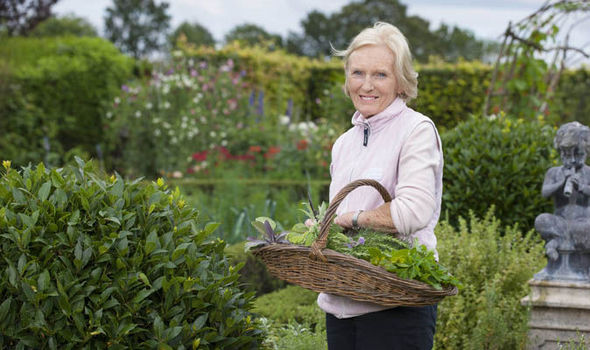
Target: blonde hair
x=386 y=34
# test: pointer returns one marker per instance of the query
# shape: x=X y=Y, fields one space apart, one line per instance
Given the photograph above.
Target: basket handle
x=322 y=240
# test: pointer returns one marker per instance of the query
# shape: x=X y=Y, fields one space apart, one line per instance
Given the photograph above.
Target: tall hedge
x=57 y=88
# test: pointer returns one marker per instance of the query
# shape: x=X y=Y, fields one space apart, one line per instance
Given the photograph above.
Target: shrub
x=494 y=265
x=89 y=262
x=500 y=162
x=57 y=87
x=254 y=275
x=292 y=303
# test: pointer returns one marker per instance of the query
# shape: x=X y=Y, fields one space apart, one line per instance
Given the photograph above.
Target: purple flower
x=170 y=71
x=125 y=88
x=361 y=241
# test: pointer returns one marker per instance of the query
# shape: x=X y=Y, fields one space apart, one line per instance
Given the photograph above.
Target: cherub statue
x=568 y=229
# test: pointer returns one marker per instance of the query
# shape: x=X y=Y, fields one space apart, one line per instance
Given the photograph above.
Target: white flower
x=284 y=120
x=212 y=134
x=177 y=174
x=191 y=62
x=156 y=120
x=224 y=143
x=303 y=126
x=292 y=127
x=222 y=134
x=117 y=100
x=311 y=125
x=177 y=53
x=203 y=120
x=137 y=114
x=184 y=119
x=157 y=132
x=166 y=125
x=183 y=125
x=109 y=115
x=196 y=131
x=166 y=105
x=171 y=132
x=148 y=105
x=173 y=140
x=165 y=89
x=204 y=163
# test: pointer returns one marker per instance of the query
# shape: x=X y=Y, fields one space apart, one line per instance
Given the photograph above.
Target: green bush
x=254 y=275
x=494 y=265
x=292 y=303
x=60 y=88
x=90 y=262
x=500 y=162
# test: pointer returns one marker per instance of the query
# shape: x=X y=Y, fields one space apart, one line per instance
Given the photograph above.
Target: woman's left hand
x=345 y=220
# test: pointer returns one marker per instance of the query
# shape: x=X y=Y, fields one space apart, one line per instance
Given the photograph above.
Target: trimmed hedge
x=57 y=88
x=500 y=162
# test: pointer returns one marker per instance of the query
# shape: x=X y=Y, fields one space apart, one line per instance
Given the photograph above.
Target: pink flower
x=309 y=222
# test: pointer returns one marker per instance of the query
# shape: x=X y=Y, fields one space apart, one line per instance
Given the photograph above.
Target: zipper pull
x=366 y=135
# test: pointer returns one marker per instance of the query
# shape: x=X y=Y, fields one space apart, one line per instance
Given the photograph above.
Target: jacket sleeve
x=415 y=202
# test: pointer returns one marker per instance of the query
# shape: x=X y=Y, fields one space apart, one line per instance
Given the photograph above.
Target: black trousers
x=399 y=328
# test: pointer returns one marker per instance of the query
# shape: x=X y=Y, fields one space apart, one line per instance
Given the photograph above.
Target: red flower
x=200 y=156
x=272 y=150
x=255 y=149
x=302 y=144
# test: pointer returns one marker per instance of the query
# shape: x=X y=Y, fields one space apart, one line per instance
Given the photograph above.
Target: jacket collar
x=379 y=120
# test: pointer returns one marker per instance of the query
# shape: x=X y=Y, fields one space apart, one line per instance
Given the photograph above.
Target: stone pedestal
x=560 y=312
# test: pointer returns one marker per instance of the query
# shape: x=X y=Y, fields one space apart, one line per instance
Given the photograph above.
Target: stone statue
x=567 y=230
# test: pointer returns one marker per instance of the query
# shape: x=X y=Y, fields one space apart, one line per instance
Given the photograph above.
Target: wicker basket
x=325 y=270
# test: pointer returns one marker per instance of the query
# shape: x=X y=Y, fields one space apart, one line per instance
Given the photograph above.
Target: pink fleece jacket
x=401 y=149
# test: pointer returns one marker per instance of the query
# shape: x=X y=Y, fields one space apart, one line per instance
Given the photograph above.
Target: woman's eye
x=381 y=75
x=357 y=73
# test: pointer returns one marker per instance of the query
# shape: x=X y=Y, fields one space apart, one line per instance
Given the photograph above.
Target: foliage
x=292 y=303
x=63 y=26
x=137 y=27
x=524 y=79
x=448 y=94
x=92 y=262
x=497 y=161
x=235 y=203
x=192 y=33
x=54 y=94
x=292 y=319
x=253 y=276
x=251 y=35
x=20 y=17
x=321 y=32
x=187 y=107
x=494 y=264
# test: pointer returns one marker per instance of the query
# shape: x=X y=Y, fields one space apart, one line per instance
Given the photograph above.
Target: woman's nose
x=367 y=84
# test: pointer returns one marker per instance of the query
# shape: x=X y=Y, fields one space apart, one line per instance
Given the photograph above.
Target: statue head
x=573 y=143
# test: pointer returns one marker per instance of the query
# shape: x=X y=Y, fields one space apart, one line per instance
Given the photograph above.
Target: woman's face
x=369 y=79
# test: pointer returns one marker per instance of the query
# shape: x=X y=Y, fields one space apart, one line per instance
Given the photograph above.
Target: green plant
x=494 y=264
x=497 y=161
x=292 y=319
x=292 y=303
x=253 y=275
x=91 y=262
x=54 y=94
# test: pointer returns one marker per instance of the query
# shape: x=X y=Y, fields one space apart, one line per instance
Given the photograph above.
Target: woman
x=400 y=148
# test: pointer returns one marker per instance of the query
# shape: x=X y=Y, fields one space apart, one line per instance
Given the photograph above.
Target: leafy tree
x=194 y=33
x=19 y=17
x=66 y=25
x=251 y=34
x=137 y=27
x=321 y=31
